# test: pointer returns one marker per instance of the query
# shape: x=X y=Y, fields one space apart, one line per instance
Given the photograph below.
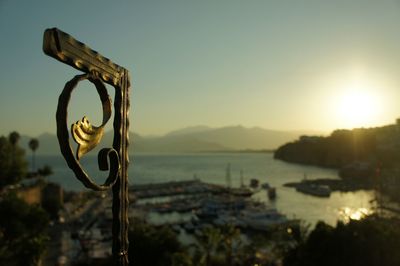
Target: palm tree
x=15 y=157
x=33 y=145
x=14 y=138
x=208 y=245
x=231 y=243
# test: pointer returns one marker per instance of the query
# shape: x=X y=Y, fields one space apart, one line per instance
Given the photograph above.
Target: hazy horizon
x=184 y=128
x=288 y=66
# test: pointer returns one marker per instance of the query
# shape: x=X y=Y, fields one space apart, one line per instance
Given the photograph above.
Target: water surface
x=211 y=167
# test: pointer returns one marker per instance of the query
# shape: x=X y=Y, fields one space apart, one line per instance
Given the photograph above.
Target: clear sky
x=286 y=65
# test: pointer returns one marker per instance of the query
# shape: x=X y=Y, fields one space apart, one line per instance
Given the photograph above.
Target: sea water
x=211 y=167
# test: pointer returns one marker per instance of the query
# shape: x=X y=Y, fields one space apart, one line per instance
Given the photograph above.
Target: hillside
x=379 y=145
x=240 y=138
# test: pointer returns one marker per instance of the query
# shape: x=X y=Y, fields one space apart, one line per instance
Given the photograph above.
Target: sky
x=283 y=65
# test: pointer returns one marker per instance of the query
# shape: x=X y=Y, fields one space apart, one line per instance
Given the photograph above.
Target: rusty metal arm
x=97 y=69
x=70 y=51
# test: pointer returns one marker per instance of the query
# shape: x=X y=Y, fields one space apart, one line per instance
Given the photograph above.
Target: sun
x=357 y=106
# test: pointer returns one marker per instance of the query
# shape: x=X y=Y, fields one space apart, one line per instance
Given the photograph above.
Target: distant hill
x=48 y=143
x=189 y=130
x=190 y=139
x=240 y=138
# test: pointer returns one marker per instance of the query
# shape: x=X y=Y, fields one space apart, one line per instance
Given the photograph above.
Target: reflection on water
x=313 y=209
x=346 y=214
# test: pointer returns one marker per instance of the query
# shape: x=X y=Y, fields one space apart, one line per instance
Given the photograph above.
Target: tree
x=45 y=171
x=373 y=241
x=23 y=234
x=14 y=137
x=16 y=152
x=33 y=145
x=154 y=246
x=231 y=243
x=52 y=199
x=13 y=165
x=181 y=259
x=209 y=243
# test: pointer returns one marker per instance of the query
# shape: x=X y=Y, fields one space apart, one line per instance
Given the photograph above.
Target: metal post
x=97 y=69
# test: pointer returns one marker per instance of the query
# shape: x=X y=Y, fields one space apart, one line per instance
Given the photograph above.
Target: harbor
x=202 y=204
x=188 y=208
x=153 y=169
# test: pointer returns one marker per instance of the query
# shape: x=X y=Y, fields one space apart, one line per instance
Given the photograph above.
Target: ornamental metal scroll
x=97 y=69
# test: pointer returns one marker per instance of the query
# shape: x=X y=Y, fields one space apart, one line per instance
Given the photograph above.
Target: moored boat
x=314 y=189
x=254 y=183
x=241 y=192
x=271 y=193
x=265 y=186
x=262 y=219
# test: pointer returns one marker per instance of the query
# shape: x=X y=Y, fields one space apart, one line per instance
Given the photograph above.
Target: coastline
x=334 y=184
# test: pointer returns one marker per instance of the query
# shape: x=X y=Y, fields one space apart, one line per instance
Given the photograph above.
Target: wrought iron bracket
x=97 y=69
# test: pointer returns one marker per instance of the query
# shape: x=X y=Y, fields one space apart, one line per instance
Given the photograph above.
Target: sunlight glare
x=357 y=106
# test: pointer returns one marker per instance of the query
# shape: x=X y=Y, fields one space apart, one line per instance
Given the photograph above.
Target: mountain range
x=190 y=139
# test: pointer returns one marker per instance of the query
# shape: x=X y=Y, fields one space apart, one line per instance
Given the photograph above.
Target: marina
x=206 y=204
x=152 y=169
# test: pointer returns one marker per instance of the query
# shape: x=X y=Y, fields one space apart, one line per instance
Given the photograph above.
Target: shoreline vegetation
x=333 y=184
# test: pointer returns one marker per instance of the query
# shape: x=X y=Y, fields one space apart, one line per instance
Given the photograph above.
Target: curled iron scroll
x=86 y=135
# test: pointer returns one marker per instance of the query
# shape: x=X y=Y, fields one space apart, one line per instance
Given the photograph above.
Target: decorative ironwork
x=97 y=69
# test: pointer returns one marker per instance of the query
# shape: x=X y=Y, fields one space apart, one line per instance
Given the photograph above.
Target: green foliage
x=14 y=137
x=373 y=241
x=33 y=144
x=181 y=259
x=221 y=246
x=52 y=207
x=154 y=246
x=232 y=245
x=45 y=171
x=13 y=165
x=5 y=160
x=208 y=245
x=52 y=199
x=22 y=233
